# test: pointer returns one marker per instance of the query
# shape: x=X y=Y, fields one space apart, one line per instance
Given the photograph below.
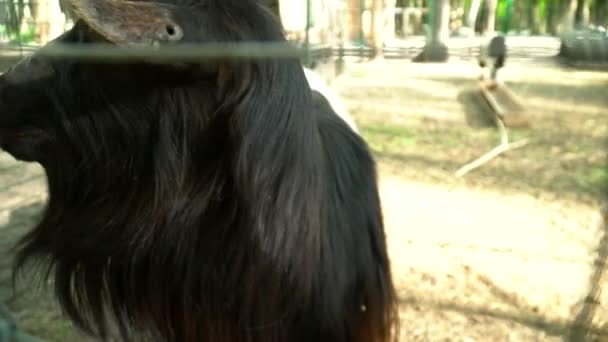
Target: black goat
x=204 y=202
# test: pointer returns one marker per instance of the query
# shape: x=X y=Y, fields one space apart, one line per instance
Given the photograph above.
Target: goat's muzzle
x=22 y=107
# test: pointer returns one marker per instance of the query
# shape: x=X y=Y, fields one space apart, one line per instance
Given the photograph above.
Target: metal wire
x=246 y=50
x=181 y=52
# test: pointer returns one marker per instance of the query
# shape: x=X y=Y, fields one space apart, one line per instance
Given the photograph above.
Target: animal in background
x=214 y=201
x=493 y=53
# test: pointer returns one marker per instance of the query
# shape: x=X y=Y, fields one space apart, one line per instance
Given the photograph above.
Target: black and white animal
x=219 y=201
x=492 y=56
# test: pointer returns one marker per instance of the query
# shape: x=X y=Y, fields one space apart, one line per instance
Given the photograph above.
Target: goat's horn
x=129 y=22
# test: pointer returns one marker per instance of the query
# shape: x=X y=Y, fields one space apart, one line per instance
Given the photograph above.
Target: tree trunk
x=354 y=21
x=416 y=19
x=533 y=24
x=436 y=49
x=601 y=8
x=377 y=27
x=518 y=23
x=41 y=20
x=389 y=15
x=473 y=11
x=441 y=23
x=14 y=19
x=551 y=27
x=491 y=19
x=568 y=12
x=582 y=14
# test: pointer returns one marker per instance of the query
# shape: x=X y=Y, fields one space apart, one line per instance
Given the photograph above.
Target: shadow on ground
x=425 y=127
x=544 y=166
x=507 y=309
x=478 y=113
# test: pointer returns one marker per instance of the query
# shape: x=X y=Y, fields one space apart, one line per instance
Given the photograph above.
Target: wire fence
x=324 y=36
x=18 y=180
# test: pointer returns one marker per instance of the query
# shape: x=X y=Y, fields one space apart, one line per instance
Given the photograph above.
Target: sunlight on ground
x=516 y=241
x=511 y=245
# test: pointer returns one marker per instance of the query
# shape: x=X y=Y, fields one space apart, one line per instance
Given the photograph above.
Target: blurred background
x=492 y=195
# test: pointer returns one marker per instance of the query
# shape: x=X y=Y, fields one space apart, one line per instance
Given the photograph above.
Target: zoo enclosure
x=330 y=31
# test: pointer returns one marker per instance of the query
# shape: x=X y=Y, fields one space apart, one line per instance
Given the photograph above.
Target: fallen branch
x=490 y=155
x=503 y=147
x=504 y=136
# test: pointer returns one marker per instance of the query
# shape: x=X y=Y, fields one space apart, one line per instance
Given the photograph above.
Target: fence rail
x=252 y=50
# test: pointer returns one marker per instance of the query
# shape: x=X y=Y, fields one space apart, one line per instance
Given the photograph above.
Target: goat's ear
x=129 y=22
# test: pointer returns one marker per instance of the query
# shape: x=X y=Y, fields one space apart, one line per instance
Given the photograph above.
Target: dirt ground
x=504 y=254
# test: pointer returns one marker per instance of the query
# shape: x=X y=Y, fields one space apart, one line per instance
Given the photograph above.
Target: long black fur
x=194 y=206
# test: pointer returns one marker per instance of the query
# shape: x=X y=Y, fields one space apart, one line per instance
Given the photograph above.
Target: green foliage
x=386 y=138
x=501 y=14
x=12 y=24
x=466 y=7
x=504 y=15
x=501 y=10
x=516 y=16
x=596 y=179
x=542 y=10
x=14 y=12
x=27 y=36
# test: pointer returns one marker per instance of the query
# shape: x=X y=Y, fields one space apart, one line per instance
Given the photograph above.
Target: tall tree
x=50 y=18
x=377 y=27
x=601 y=12
x=354 y=21
x=582 y=13
x=567 y=15
x=14 y=16
x=436 y=49
x=389 y=15
x=519 y=16
x=533 y=23
x=473 y=11
x=491 y=17
x=551 y=23
x=442 y=22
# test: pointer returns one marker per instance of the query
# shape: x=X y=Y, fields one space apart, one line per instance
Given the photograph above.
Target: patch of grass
x=520 y=133
x=449 y=140
x=397 y=138
x=556 y=161
x=387 y=129
x=596 y=179
x=388 y=138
